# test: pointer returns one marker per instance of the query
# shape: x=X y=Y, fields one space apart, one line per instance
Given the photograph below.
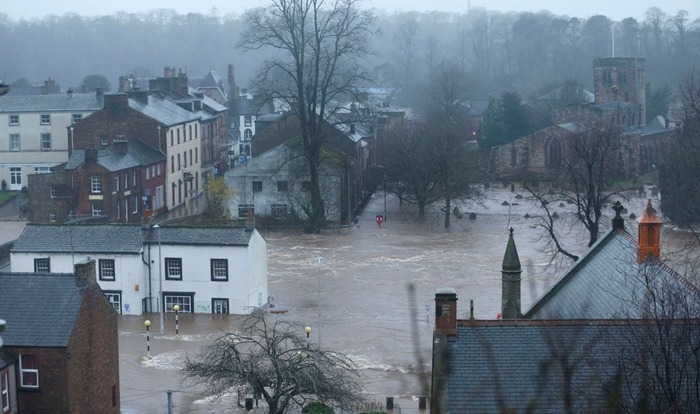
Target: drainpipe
x=150 y=283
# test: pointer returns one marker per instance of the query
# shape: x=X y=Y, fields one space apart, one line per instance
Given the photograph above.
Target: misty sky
x=614 y=9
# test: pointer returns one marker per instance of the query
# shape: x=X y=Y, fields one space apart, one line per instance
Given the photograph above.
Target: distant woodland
x=522 y=52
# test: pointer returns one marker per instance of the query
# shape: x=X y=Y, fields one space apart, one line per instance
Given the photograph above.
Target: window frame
x=5 y=391
x=257 y=186
x=173 y=263
x=52 y=216
x=245 y=208
x=53 y=192
x=46 y=144
x=28 y=371
x=14 y=120
x=104 y=270
x=223 y=301
x=247 y=120
x=15 y=143
x=186 y=304
x=96 y=184
x=75 y=118
x=42 y=265
x=283 y=186
x=45 y=119
x=111 y=295
x=218 y=269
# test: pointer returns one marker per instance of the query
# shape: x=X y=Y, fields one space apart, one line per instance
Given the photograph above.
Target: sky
x=614 y=9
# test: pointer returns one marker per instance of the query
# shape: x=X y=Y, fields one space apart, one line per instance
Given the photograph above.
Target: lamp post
x=176 y=308
x=308 y=332
x=318 y=297
x=148 y=338
x=160 y=279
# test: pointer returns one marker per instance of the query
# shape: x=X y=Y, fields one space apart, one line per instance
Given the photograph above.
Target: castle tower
x=510 y=281
x=622 y=80
x=649 y=235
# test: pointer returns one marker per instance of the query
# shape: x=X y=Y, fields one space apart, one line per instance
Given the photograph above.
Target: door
x=219 y=305
x=15 y=178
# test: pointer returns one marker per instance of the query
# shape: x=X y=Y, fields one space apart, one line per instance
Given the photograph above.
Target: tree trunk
x=317 y=214
x=448 y=202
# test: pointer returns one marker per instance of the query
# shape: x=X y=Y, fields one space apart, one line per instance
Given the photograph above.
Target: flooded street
x=366 y=310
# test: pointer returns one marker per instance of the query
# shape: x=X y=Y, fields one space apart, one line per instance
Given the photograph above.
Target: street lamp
x=160 y=279
x=308 y=331
x=148 y=338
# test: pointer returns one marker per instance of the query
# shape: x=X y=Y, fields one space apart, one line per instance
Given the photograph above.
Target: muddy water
x=366 y=310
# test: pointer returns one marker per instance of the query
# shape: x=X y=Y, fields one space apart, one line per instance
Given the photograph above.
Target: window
x=158 y=170
x=178 y=135
x=179 y=164
x=96 y=184
x=133 y=178
x=46 y=142
x=103 y=140
x=282 y=186
x=219 y=270
x=184 y=301
x=107 y=269
x=14 y=142
x=173 y=268
x=5 y=390
x=52 y=216
x=196 y=155
x=248 y=120
x=219 y=305
x=190 y=127
x=45 y=119
x=244 y=210
x=76 y=118
x=126 y=180
x=172 y=163
x=42 y=170
x=306 y=185
x=96 y=208
x=184 y=155
x=53 y=191
x=247 y=135
x=116 y=182
x=279 y=210
x=148 y=174
x=135 y=202
x=118 y=207
x=42 y=265
x=115 y=299
x=14 y=120
x=159 y=201
x=257 y=186
x=190 y=157
x=28 y=371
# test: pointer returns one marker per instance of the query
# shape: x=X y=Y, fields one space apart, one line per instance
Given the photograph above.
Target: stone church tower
x=621 y=81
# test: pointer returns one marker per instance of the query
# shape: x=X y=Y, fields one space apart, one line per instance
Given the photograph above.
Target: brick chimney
x=649 y=235
x=510 y=281
x=116 y=104
x=85 y=274
x=446 y=311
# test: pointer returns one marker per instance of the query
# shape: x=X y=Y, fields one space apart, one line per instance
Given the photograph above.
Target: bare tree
x=317 y=47
x=272 y=359
x=589 y=163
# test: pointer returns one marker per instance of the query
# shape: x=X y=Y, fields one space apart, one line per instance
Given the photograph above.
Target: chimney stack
x=649 y=232
x=510 y=281
x=446 y=311
x=85 y=274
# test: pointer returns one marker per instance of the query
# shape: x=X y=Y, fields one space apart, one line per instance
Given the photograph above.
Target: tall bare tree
x=317 y=45
x=274 y=360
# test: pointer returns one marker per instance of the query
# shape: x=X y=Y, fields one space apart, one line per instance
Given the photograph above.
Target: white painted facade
x=138 y=276
x=34 y=134
x=184 y=163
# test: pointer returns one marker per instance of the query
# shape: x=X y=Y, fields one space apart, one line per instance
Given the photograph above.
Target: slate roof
x=606 y=282
x=512 y=366
x=220 y=236
x=40 y=308
x=51 y=103
x=163 y=111
x=137 y=154
x=38 y=238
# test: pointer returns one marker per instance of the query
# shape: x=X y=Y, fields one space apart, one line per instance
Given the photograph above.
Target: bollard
x=248 y=404
x=148 y=338
x=421 y=403
x=176 y=308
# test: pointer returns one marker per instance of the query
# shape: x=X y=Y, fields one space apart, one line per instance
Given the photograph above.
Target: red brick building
x=124 y=182
x=62 y=334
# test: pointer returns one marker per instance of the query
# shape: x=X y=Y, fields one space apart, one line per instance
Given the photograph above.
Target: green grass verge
x=6 y=196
